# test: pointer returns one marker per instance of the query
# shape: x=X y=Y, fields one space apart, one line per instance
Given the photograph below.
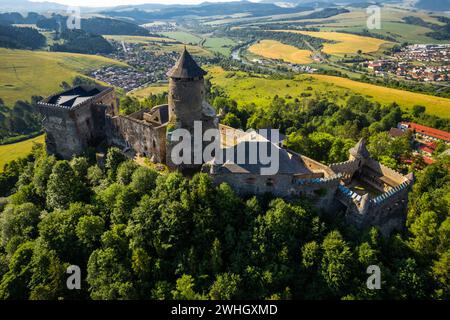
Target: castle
x=368 y=193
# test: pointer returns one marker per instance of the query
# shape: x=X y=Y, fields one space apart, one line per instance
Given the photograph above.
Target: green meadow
x=260 y=90
x=10 y=152
x=27 y=73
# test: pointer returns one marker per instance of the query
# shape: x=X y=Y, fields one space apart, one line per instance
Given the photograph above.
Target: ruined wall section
x=321 y=191
x=144 y=139
x=393 y=175
x=347 y=168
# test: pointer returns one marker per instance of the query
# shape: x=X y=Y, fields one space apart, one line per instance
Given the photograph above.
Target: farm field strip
x=346 y=43
x=10 y=152
x=272 y=49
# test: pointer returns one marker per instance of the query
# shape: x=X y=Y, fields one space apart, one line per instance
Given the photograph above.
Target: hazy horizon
x=113 y=3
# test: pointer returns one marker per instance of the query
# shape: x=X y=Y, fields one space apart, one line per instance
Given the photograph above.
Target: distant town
x=419 y=62
x=146 y=67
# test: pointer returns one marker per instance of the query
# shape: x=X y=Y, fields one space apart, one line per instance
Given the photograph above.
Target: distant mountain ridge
x=254 y=9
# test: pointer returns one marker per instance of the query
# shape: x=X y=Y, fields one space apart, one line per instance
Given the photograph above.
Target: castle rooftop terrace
x=75 y=97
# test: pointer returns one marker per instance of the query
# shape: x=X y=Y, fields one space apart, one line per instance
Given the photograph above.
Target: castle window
x=154 y=144
x=270 y=182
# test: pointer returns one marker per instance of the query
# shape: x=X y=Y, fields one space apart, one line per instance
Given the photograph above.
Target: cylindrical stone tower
x=186 y=92
x=187 y=105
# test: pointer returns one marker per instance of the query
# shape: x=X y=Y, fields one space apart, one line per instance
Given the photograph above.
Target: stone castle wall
x=141 y=137
x=320 y=190
x=70 y=131
x=186 y=101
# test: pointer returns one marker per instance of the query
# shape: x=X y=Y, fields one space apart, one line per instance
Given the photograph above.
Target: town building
x=425 y=132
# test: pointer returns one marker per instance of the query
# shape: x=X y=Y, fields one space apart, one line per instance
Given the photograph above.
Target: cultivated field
x=276 y=50
x=260 y=90
x=27 y=73
x=345 y=43
x=10 y=152
x=182 y=36
x=138 y=39
x=145 y=92
x=221 y=45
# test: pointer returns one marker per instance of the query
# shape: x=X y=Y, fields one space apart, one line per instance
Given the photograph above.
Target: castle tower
x=187 y=104
x=186 y=91
x=359 y=152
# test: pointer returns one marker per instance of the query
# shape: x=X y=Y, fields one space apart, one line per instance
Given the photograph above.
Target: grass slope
x=182 y=36
x=10 y=152
x=150 y=90
x=219 y=44
x=259 y=90
x=26 y=73
x=276 y=50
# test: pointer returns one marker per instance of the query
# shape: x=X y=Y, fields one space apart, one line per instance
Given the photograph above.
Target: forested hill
x=79 y=41
x=17 y=18
x=437 y=5
x=20 y=38
x=95 y=26
x=139 y=234
x=206 y=9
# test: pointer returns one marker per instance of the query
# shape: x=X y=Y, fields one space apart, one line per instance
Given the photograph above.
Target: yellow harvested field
x=345 y=43
x=150 y=90
x=435 y=105
x=10 y=152
x=276 y=50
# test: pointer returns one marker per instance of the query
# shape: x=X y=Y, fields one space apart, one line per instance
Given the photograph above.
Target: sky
x=111 y=3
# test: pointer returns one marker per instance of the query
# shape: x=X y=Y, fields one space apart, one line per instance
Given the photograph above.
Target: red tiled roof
x=428 y=160
x=426 y=149
x=432 y=132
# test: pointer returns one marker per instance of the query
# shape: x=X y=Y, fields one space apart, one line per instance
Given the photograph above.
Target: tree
x=143 y=180
x=14 y=284
x=418 y=110
x=48 y=281
x=185 y=289
x=64 y=187
x=114 y=158
x=18 y=224
x=425 y=232
x=89 y=230
x=43 y=167
x=310 y=255
x=226 y=287
x=336 y=262
x=232 y=120
x=441 y=274
x=80 y=166
x=125 y=172
x=109 y=277
x=59 y=231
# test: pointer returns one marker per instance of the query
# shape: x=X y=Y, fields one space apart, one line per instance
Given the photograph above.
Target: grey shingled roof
x=186 y=67
x=288 y=163
x=360 y=149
